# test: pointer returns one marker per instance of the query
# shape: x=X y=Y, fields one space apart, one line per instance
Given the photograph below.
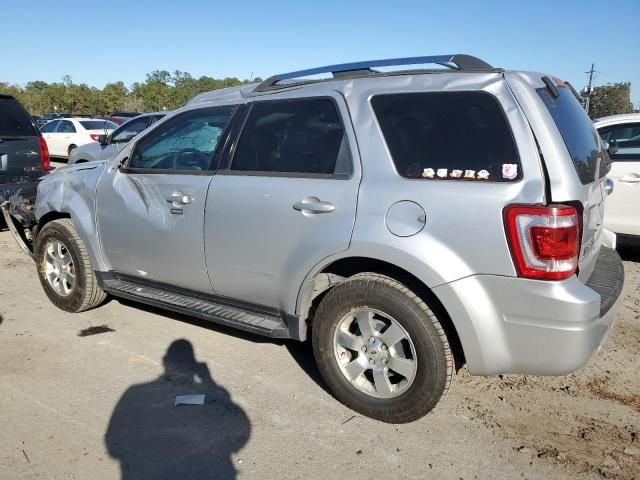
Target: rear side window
x=448 y=136
x=97 y=124
x=293 y=136
x=14 y=120
x=578 y=133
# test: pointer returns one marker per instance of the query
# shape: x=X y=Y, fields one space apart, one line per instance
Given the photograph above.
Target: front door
x=621 y=208
x=286 y=201
x=150 y=212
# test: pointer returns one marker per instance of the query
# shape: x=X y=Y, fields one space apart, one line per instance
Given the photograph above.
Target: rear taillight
x=45 y=162
x=94 y=136
x=544 y=241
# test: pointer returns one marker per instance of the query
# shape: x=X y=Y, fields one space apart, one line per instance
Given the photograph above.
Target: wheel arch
x=339 y=270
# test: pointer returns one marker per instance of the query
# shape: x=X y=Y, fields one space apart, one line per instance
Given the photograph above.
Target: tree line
x=161 y=90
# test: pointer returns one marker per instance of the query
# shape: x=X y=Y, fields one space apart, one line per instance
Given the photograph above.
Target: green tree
x=610 y=99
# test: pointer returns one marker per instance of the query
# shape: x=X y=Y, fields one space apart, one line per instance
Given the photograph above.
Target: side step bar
x=208 y=307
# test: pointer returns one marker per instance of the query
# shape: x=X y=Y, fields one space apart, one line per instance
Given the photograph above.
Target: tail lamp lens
x=544 y=240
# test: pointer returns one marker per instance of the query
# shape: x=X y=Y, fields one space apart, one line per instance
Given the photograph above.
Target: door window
x=186 y=142
x=129 y=130
x=624 y=139
x=66 y=127
x=50 y=127
x=293 y=136
x=461 y=136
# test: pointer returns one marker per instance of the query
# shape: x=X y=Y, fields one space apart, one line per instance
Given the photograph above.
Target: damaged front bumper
x=18 y=209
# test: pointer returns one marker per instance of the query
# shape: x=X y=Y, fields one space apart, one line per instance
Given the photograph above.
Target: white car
x=622 y=211
x=65 y=134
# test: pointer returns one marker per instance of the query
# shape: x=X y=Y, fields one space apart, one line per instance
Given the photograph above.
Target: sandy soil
x=60 y=393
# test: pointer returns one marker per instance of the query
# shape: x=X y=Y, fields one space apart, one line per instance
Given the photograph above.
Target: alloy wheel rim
x=59 y=268
x=375 y=353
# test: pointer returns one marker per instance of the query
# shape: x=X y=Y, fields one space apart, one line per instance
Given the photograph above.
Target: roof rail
x=459 y=62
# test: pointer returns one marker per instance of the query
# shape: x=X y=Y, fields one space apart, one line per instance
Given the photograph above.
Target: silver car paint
x=72 y=190
x=474 y=280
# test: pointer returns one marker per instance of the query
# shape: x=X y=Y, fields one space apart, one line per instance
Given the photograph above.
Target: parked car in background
x=64 y=135
x=407 y=222
x=121 y=117
x=39 y=121
x=53 y=116
x=23 y=159
x=622 y=133
x=108 y=145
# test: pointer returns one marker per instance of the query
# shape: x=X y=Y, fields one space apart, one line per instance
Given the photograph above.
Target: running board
x=208 y=307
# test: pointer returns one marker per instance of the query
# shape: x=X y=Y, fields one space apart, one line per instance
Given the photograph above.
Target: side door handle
x=179 y=198
x=314 y=205
x=631 y=178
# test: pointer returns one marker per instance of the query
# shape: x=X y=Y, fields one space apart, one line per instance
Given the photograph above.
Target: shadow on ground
x=153 y=439
x=301 y=352
x=629 y=251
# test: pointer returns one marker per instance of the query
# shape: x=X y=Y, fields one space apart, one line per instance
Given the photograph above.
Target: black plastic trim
x=607 y=278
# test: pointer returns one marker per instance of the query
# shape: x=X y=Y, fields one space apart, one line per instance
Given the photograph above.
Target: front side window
x=624 y=141
x=50 y=127
x=129 y=130
x=448 y=136
x=185 y=142
x=66 y=127
x=293 y=136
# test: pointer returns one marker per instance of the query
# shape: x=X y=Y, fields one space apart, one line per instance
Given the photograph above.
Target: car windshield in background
x=448 y=135
x=14 y=120
x=578 y=133
x=97 y=124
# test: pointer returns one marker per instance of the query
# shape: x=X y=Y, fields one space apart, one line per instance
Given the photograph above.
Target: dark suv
x=23 y=157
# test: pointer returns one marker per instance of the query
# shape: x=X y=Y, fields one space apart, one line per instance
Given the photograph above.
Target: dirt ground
x=91 y=396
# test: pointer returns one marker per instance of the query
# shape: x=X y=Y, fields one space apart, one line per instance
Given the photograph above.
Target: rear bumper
x=516 y=325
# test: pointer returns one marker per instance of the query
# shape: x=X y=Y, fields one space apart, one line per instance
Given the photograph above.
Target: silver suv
x=407 y=222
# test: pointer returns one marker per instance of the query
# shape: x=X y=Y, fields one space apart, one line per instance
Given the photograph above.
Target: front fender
x=72 y=190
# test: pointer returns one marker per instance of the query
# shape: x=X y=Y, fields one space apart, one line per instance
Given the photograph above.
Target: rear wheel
x=71 y=149
x=64 y=268
x=381 y=350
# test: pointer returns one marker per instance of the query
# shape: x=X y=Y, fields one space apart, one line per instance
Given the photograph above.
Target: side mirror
x=103 y=139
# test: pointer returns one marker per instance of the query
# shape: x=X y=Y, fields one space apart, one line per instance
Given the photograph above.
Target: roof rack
x=460 y=62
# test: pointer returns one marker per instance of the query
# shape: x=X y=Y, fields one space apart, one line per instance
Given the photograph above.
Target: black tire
x=86 y=293
x=71 y=149
x=435 y=364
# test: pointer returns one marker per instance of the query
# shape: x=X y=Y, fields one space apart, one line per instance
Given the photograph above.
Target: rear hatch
x=572 y=154
x=20 y=160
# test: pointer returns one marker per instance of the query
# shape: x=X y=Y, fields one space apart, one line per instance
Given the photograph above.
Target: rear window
x=14 y=120
x=448 y=136
x=578 y=133
x=97 y=124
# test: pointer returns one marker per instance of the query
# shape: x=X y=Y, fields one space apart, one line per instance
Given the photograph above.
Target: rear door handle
x=630 y=178
x=314 y=205
x=179 y=198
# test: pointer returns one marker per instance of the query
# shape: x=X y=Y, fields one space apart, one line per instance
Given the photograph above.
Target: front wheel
x=381 y=350
x=64 y=268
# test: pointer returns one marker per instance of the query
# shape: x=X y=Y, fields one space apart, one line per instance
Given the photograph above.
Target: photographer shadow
x=153 y=439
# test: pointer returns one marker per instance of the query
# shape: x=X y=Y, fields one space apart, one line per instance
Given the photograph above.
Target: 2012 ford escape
x=407 y=222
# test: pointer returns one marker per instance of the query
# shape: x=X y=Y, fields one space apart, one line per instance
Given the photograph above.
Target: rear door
x=19 y=145
x=286 y=201
x=622 y=213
